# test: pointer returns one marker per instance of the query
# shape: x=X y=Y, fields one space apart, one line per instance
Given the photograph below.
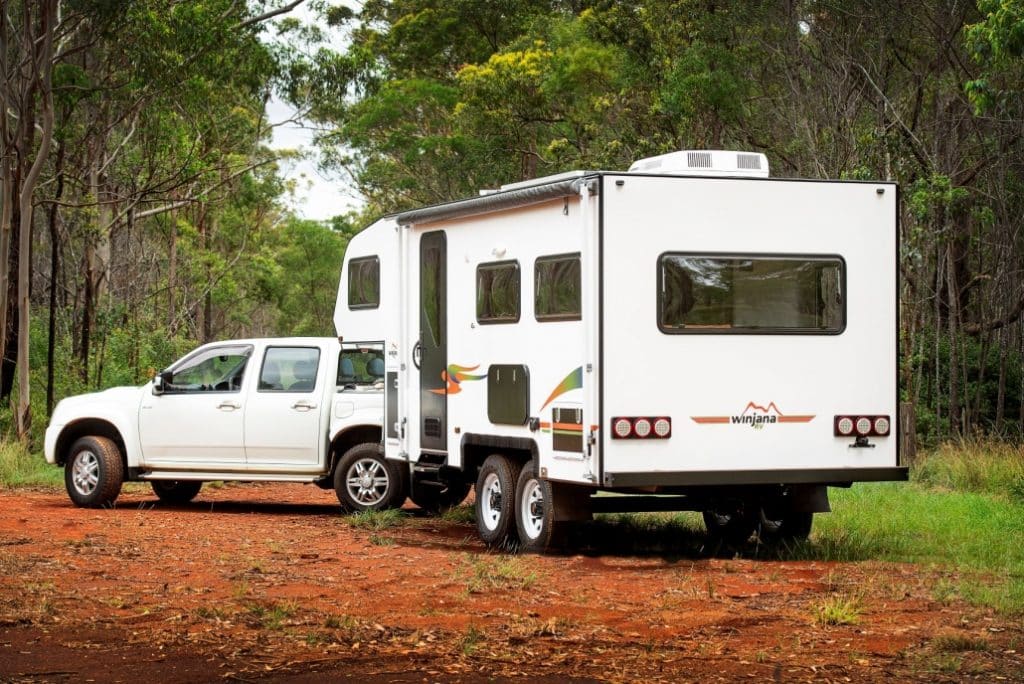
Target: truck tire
x=731 y=527
x=94 y=472
x=434 y=499
x=535 y=520
x=366 y=481
x=176 y=491
x=495 y=501
x=788 y=527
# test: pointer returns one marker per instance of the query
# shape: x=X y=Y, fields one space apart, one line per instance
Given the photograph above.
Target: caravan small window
x=557 y=288
x=364 y=283
x=751 y=294
x=497 y=292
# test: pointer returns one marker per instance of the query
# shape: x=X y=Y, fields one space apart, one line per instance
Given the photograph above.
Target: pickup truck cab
x=294 y=409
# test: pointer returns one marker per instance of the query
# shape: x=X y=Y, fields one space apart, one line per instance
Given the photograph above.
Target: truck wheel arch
x=346 y=439
x=89 y=426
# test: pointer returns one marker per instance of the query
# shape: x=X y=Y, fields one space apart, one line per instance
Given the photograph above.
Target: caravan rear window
x=751 y=294
x=364 y=283
x=556 y=287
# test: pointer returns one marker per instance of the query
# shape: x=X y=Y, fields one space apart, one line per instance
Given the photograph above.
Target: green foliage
x=20 y=467
x=983 y=467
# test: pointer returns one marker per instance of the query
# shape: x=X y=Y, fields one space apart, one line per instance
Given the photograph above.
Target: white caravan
x=690 y=328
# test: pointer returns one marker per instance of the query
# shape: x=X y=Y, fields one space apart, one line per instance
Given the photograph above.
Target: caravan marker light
x=863 y=426
x=623 y=428
x=642 y=427
x=881 y=425
x=663 y=427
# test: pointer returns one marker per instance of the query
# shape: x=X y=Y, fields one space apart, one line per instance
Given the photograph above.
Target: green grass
x=983 y=467
x=837 y=610
x=376 y=520
x=20 y=468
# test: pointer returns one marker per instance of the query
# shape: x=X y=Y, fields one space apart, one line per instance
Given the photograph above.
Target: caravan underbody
x=727 y=341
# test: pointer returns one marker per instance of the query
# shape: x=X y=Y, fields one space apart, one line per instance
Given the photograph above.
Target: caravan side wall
x=744 y=401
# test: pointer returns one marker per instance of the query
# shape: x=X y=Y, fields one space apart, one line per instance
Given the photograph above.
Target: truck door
x=283 y=417
x=433 y=349
x=198 y=419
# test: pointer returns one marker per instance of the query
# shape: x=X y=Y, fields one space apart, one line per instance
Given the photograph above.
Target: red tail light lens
x=641 y=427
x=861 y=426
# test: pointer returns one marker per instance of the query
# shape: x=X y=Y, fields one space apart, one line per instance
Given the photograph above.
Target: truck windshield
x=361 y=365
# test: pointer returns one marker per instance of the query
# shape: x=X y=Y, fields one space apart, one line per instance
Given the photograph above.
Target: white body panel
x=281 y=435
x=648 y=372
x=624 y=364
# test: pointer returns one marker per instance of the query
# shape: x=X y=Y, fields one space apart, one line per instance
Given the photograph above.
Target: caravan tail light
x=861 y=426
x=641 y=427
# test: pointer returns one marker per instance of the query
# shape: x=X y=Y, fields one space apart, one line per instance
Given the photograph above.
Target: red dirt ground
x=272 y=583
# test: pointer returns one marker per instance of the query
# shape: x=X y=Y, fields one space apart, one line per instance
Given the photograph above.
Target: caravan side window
x=364 y=283
x=497 y=292
x=752 y=294
x=556 y=282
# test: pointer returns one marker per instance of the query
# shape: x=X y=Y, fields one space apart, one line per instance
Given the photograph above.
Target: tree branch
x=267 y=15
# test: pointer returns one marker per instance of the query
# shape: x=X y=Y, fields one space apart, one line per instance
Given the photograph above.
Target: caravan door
x=432 y=347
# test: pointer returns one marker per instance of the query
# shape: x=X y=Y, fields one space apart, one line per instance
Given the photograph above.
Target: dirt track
x=271 y=583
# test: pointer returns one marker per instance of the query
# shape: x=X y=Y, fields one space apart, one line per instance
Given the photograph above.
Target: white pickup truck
x=287 y=410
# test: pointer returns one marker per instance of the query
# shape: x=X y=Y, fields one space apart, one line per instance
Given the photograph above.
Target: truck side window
x=220 y=369
x=360 y=365
x=289 y=369
x=497 y=292
x=364 y=283
x=557 y=288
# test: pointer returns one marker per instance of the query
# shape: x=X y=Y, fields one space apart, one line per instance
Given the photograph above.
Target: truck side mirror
x=160 y=382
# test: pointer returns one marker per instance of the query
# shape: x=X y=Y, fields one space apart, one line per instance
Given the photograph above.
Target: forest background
x=143 y=210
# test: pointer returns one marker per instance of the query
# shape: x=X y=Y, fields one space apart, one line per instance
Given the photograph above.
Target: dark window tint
x=364 y=283
x=289 y=369
x=760 y=294
x=557 y=288
x=497 y=292
x=360 y=364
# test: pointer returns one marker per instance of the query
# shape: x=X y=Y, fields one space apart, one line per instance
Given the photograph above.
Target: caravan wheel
x=535 y=520
x=732 y=527
x=495 y=501
x=788 y=527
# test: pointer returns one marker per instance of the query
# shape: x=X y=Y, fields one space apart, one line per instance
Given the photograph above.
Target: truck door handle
x=303 y=406
x=229 y=405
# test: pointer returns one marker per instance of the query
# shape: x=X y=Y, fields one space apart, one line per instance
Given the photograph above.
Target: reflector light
x=863 y=426
x=623 y=428
x=642 y=427
x=845 y=425
x=662 y=427
x=881 y=425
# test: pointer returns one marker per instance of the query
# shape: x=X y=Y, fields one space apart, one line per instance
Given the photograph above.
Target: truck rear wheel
x=366 y=481
x=94 y=472
x=176 y=491
x=438 y=499
x=495 y=501
x=535 y=520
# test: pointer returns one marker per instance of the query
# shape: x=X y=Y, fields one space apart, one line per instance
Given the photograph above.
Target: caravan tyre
x=790 y=527
x=495 y=501
x=94 y=472
x=733 y=527
x=176 y=491
x=535 y=520
x=366 y=481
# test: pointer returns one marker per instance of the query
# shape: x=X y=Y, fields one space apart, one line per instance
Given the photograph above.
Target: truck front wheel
x=366 y=481
x=94 y=472
x=495 y=501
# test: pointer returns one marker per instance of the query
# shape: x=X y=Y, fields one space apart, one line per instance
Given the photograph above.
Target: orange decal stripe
x=795 y=419
x=574 y=427
x=545 y=425
x=705 y=420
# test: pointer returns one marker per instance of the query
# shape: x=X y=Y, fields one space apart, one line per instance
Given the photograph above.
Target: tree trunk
x=953 y=318
x=51 y=336
x=1004 y=344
